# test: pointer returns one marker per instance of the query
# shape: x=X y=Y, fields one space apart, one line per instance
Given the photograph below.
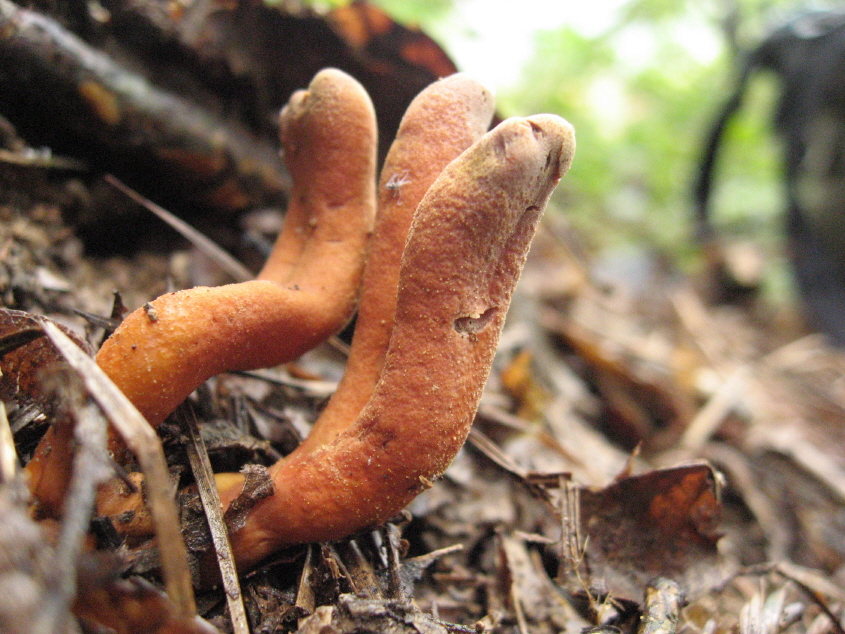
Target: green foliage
x=416 y=12
x=654 y=10
x=641 y=97
x=411 y=12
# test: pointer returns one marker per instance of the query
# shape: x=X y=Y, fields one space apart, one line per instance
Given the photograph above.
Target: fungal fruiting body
x=457 y=210
x=306 y=292
x=440 y=123
x=464 y=252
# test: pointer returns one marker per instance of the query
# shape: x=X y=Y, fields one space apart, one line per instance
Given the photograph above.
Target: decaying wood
x=108 y=111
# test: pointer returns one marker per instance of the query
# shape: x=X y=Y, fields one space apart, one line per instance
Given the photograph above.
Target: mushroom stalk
x=464 y=254
x=440 y=123
x=306 y=292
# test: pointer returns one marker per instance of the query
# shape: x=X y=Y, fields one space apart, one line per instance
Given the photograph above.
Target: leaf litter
x=642 y=461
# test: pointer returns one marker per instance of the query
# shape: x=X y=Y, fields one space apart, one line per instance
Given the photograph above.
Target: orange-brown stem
x=307 y=291
x=464 y=253
x=440 y=123
x=328 y=135
x=196 y=334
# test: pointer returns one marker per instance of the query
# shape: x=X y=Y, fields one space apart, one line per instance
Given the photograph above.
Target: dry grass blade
x=90 y=468
x=312 y=387
x=8 y=455
x=708 y=419
x=146 y=446
x=34 y=158
x=812 y=581
x=490 y=449
x=210 y=498
x=207 y=247
x=306 y=600
x=572 y=543
x=393 y=546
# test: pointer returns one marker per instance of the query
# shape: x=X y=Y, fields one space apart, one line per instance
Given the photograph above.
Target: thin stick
x=203 y=243
x=145 y=444
x=708 y=419
x=210 y=498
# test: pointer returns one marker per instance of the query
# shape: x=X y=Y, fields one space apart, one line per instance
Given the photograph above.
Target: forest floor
x=641 y=459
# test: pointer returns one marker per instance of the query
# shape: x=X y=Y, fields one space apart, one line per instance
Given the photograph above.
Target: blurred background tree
x=642 y=90
x=642 y=84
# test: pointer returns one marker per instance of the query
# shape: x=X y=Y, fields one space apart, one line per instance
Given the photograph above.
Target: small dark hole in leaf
x=472 y=325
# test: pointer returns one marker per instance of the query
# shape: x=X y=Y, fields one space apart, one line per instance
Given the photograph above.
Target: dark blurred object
x=180 y=101
x=808 y=58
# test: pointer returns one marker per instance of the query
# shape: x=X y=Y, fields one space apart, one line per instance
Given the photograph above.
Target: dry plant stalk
x=147 y=447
